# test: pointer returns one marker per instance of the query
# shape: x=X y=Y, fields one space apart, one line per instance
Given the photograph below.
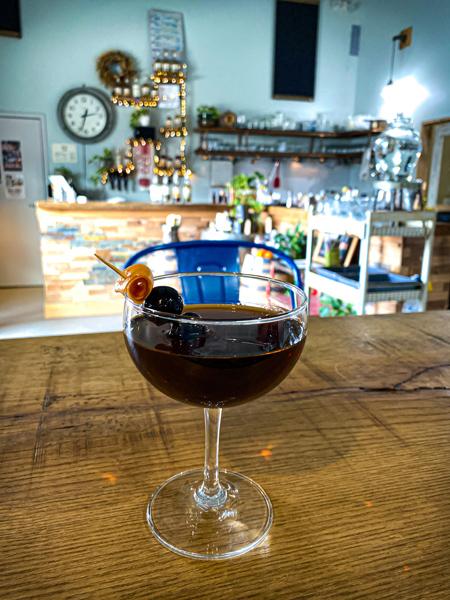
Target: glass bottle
x=187 y=191
x=155 y=189
x=166 y=64
x=126 y=88
x=175 y=66
x=145 y=90
x=136 y=88
x=117 y=87
x=175 y=188
x=157 y=67
x=165 y=190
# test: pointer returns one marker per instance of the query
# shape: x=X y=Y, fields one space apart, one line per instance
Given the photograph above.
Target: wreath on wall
x=113 y=64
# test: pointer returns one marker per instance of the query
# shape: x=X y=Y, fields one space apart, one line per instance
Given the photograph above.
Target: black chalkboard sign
x=295 y=49
x=10 y=18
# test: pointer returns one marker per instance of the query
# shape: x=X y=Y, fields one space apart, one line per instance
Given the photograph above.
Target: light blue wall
x=428 y=58
x=230 y=49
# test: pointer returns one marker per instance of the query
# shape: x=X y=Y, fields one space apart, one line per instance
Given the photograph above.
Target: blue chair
x=212 y=256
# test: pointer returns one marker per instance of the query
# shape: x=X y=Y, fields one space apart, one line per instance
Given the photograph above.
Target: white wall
x=230 y=50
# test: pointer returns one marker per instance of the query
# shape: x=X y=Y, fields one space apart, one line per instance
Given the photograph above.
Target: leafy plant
x=333 y=307
x=212 y=111
x=136 y=115
x=292 y=243
x=244 y=187
x=66 y=173
x=103 y=163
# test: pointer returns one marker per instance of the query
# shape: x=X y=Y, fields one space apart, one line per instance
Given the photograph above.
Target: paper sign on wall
x=64 y=153
x=15 y=187
x=169 y=96
x=12 y=156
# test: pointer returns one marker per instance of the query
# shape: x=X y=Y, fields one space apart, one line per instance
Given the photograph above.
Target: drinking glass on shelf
x=277 y=120
x=241 y=121
x=239 y=337
x=323 y=122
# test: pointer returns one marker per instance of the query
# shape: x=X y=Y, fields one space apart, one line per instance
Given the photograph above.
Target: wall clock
x=86 y=115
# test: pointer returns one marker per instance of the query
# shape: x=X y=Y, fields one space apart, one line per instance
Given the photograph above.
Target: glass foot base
x=181 y=525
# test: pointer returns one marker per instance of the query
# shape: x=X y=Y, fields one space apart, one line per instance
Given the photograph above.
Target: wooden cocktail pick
x=108 y=264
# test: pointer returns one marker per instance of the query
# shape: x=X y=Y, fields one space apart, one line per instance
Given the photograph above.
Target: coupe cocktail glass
x=244 y=337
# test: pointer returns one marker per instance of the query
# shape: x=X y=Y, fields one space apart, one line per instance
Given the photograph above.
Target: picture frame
x=10 y=24
x=435 y=136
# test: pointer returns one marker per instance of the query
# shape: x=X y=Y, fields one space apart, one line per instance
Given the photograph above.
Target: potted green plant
x=104 y=162
x=293 y=242
x=140 y=117
x=208 y=116
x=67 y=174
x=333 y=307
x=243 y=199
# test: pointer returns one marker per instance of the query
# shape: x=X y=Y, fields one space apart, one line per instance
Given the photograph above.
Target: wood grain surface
x=353 y=449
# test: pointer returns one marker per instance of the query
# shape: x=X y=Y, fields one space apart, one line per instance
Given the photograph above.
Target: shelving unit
x=393 y=224
x=178 y=133
x=313 y=136
x=262 y=154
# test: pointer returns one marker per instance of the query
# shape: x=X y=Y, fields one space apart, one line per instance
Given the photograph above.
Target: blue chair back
x=213 y=256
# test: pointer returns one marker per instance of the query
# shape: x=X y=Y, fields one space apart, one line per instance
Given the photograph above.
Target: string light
x=168 y=132
x=143 y=101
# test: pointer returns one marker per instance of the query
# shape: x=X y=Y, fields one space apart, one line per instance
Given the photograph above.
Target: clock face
x=85 y=115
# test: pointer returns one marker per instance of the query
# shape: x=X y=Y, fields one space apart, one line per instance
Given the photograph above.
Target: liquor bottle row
x=124 y=89
x=170 y=189
x=168 y=65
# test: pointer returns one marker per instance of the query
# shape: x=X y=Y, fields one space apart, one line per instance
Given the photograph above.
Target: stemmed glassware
x=238 y=337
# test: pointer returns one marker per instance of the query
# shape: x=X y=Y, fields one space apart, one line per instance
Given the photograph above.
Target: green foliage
x=66 y=173
x=292 y=243
x=136 y=115
x=243 y=190
x=333 y=307
x=103 y=162
x=212 y=111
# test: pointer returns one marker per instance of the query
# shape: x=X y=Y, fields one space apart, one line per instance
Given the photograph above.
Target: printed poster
x=12 y=156
x=166 y=34
x=15 y=187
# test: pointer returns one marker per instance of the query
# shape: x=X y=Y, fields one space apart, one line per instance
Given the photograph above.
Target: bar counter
x=352 y=448
x=75 y=283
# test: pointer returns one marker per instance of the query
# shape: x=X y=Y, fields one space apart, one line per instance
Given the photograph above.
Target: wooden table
x=353 y=449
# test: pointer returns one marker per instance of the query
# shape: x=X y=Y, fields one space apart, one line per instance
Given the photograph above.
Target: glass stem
x=211 y=494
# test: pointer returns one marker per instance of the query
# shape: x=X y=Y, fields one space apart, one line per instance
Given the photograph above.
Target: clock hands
x=84 y=120
x=84 y=117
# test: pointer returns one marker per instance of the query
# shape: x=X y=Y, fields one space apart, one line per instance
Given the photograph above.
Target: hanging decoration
x=113 y=65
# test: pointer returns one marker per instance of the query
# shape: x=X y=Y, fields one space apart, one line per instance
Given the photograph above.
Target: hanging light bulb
x=402 y=96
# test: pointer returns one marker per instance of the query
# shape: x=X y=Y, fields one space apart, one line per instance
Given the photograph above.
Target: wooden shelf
x=299 y=155
x=290 y=133
x=244 y=135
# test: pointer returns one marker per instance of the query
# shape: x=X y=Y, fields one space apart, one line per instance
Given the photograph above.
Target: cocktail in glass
x=238 y=337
